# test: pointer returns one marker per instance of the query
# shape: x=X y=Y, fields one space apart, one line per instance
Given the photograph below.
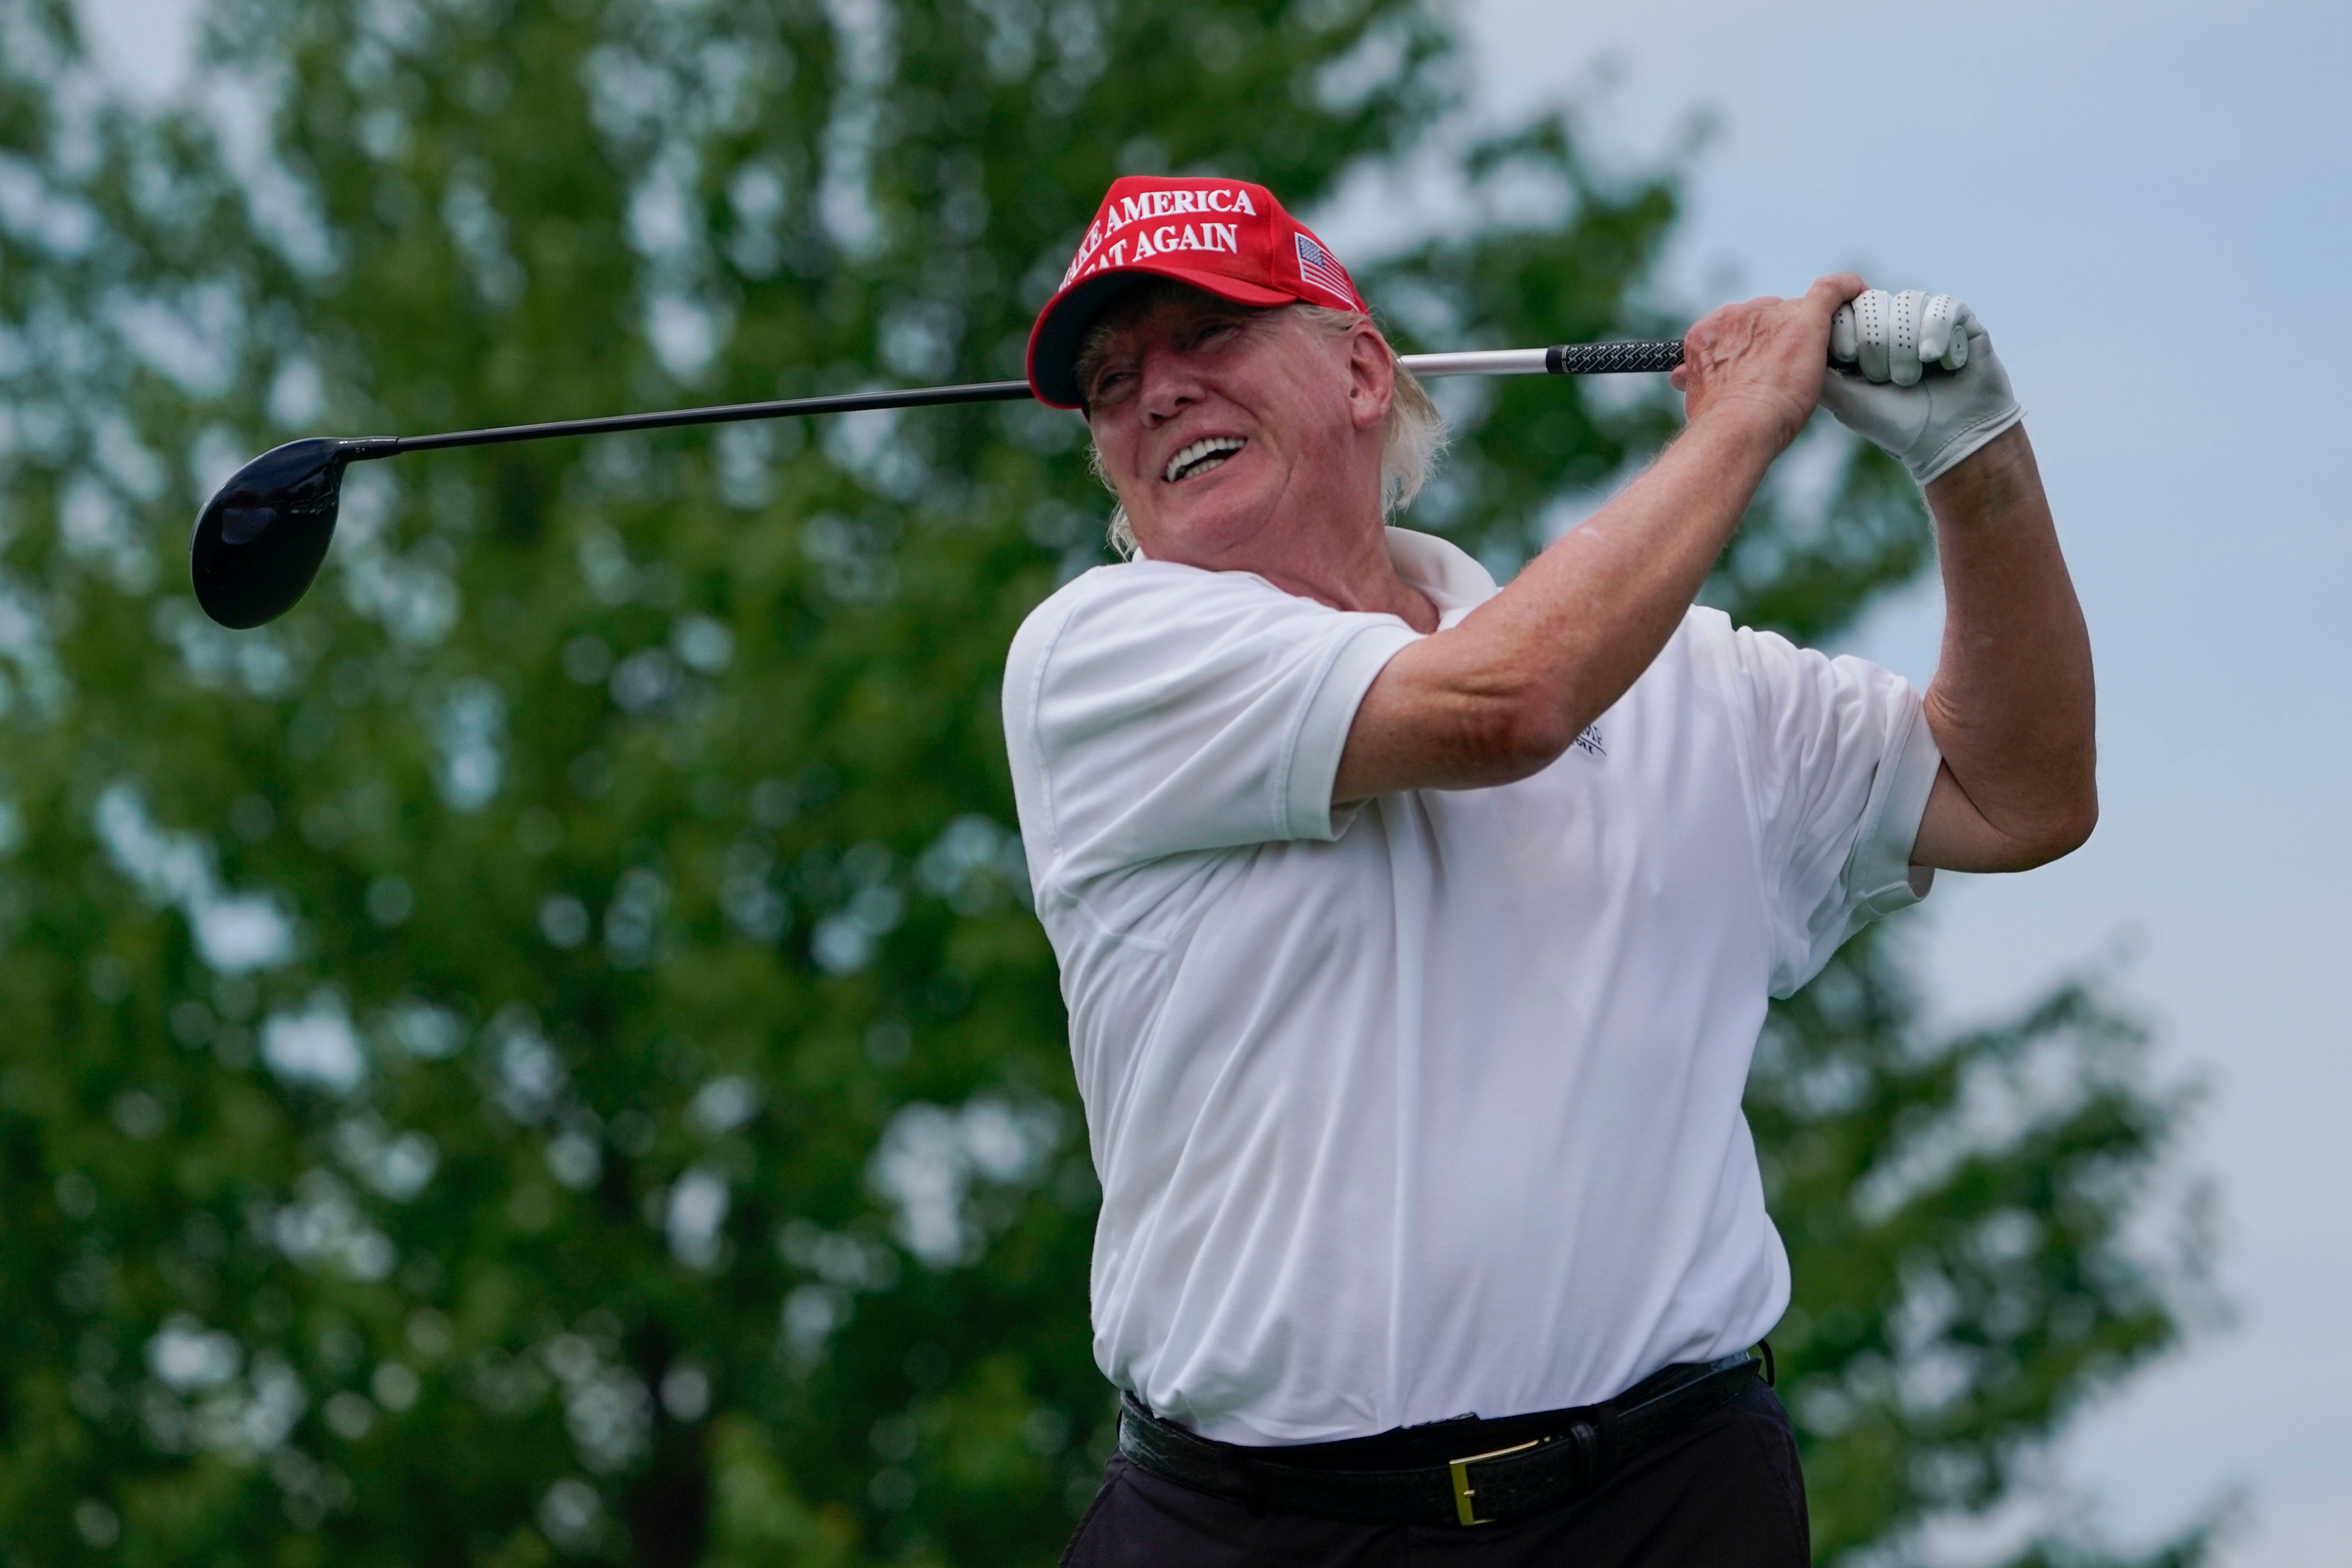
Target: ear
x=1371 y=376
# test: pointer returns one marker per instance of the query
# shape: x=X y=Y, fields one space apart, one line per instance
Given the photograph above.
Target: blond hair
x=1411 y=439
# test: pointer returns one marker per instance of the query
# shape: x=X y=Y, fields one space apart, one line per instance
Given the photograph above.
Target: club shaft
x=1567 y=359
x=724 y=414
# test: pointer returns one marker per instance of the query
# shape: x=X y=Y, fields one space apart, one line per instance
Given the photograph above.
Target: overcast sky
x=2147 y=204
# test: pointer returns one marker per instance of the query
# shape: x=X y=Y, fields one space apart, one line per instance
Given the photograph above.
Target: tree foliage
x=541 y=1054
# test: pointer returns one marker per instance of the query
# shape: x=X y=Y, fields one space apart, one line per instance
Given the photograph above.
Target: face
x=1236 y=438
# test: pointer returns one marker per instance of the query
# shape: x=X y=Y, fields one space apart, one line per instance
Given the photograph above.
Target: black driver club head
x=259 y=540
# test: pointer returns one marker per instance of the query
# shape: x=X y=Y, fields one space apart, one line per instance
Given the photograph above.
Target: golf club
x=260 y=541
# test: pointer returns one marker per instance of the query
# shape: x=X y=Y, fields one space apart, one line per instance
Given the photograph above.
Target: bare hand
x=1763 y=361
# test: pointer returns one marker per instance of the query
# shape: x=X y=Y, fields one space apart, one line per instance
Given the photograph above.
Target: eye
x=1111 y=385
x=1215 y=334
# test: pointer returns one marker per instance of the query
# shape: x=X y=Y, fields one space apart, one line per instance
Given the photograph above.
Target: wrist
x=1752 y=430
x=1990 y=479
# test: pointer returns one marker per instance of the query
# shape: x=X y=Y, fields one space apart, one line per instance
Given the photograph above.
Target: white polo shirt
x=1432 y=1105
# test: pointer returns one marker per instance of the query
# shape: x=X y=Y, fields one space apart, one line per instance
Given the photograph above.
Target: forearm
x=2011 y=704
x=1504 y=693
x=1586 y=618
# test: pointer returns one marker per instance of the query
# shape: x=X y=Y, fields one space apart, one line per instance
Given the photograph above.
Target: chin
x=1205 y=526
x=1208 y=536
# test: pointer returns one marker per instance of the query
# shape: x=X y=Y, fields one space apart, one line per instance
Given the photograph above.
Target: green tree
x=541 y=1054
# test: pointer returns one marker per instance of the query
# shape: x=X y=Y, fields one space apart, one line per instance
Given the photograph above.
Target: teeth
x=1200 y=454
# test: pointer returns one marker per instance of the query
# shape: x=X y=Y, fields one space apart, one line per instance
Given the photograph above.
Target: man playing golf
x=1416 y=934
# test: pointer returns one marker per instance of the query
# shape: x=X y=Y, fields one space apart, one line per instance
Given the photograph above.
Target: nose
x=1167 y=384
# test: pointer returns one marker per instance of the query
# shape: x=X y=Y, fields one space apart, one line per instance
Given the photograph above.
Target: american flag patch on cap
x=1317 y=267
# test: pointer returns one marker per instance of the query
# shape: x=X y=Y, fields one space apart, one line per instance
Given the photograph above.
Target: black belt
x=1515 y=1465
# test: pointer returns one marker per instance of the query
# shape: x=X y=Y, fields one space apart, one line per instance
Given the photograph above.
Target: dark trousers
x=1723 y=1491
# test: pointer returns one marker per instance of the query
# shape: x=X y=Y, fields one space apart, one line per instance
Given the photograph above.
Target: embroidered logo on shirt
x=1590 y=741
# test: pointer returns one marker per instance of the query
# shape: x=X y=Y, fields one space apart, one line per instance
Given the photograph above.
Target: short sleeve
x=1154 y=709
x=1842 y=762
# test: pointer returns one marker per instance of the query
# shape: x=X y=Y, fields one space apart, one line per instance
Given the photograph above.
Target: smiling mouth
x=1201 y=456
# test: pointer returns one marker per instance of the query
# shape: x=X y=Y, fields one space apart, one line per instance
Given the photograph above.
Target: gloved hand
x=1925 y=386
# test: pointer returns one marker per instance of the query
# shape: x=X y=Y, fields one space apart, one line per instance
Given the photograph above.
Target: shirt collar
x=1453 y=581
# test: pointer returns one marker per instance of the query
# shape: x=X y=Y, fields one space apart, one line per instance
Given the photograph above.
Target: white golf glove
x=1929 y=422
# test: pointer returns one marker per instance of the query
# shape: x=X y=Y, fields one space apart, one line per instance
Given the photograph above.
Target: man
x=1416 y=934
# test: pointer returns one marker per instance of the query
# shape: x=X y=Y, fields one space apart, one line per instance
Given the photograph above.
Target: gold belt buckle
x=1465 y=1508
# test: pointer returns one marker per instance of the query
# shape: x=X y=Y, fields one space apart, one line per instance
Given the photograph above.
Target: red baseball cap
x=1229 y=237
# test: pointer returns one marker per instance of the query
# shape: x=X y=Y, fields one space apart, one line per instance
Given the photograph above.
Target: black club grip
x=1610 y=359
